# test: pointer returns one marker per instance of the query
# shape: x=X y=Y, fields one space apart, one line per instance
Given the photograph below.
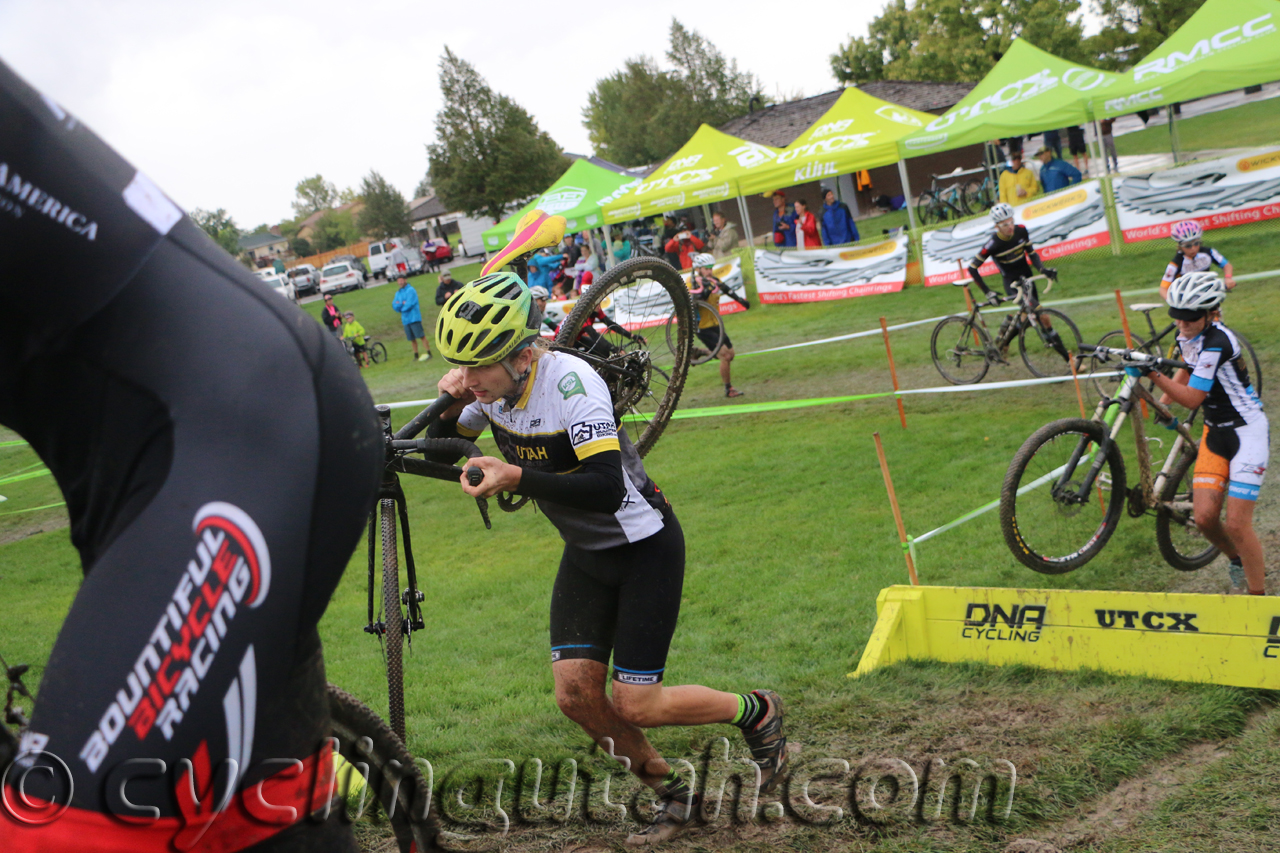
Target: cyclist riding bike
x=617 y=593
x=1192 y=256
x=1236 y=441
x=215 y=493
x=1014 y=255
x=705 y=287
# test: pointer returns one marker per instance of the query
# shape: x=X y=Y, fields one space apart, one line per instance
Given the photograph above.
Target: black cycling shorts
x=623 y=600
x=1012 y=278
x=711 y=335
x=215 y=493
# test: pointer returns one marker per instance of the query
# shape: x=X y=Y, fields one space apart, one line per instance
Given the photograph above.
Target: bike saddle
x=534 y=231
x=1146 y=306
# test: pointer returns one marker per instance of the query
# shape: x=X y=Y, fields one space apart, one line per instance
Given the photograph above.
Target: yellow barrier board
x=1216 y=639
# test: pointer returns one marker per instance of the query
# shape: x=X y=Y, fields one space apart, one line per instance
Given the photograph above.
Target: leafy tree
x=221 y=227
x=314 y=193
x=1133 y=28
x=956 y=39
x=488 y=151
x=424 y=188
x=301 y=247
x=643 y=113
x=334 y=229
x=348 y=195
x=385 y=212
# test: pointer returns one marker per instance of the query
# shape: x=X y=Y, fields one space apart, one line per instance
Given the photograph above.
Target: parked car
x=341 y=275
x=305 y=278
x=380 y=256
x=280 y=283
x=437 y=252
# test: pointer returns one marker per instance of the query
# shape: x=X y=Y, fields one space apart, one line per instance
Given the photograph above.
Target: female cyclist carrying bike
x=1236 y=441
x=1192 y=256
x=617 y=593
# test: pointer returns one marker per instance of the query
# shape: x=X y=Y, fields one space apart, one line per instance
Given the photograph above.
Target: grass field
x=790 y=539
x=1245 y=126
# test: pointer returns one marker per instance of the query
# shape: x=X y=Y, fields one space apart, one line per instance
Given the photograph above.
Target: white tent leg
x=906 y=194
x=746 y=223
x=608 y=247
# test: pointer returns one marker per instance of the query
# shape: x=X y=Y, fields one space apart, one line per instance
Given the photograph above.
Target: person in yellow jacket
x=1018 y=183
x=354 y=332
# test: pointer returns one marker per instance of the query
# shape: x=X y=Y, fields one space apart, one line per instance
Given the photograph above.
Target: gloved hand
x=640 y=340
x=993 y=299
x=1052 y=272
x=1134 y=371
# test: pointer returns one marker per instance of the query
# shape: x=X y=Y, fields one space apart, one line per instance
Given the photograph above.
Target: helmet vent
x=495 y=346
x=462 y=344
x=512 y=292
x=502 y=312
x=480 y=336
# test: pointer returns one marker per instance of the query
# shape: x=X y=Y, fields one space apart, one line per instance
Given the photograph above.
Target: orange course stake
x=1075 y=377
x=897 y=513
x=968 y=309
x=893 y=373
x=1128 y=339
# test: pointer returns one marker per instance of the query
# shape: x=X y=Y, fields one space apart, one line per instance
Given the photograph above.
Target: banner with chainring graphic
x=729 y=271
x=1216 y=193
x=816 y=275
x=1071 y=220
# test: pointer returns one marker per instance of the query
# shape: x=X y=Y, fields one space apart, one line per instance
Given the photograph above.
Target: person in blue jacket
x=837 y=222
x=406 y=302
x=784 y=232
x=540 y=267
x=1054 y=173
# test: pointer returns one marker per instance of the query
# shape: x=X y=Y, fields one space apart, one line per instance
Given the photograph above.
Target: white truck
x=380 y=254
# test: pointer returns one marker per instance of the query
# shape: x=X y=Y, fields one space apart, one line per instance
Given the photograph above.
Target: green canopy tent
x=1028 y=91
x=1225 y=45
x=859 y=131
x=707 y=168
x=577 y=196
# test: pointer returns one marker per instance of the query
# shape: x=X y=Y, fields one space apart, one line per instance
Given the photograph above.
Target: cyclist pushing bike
x=617 y=593
x=1014 y=255
x=705 y=287
x=1192 y=256
x=1235 y=444
x=215 y=493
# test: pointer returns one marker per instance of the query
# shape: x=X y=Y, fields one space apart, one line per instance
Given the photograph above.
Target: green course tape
x=772 y=406
x=29 y=476
x=17 y=443
x=33 y=509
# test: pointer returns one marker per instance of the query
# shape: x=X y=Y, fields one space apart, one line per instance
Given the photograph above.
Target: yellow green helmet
x=486 y=321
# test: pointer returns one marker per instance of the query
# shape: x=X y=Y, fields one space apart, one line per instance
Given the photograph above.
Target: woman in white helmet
x=1192 y=256
x=705 y=287
x=1234 y=448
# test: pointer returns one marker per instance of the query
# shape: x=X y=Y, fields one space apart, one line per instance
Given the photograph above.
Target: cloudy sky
x=229 y=104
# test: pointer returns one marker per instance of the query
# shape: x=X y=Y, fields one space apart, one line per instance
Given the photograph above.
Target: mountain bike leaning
x=963 y=350
x=1066 y=486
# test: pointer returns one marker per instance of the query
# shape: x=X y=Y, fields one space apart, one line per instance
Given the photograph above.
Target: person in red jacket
x=806 y=227
x=685 y=244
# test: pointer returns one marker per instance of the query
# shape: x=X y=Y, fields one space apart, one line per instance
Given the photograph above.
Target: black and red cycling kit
x=591 y=341
x=1014 y=256
x=215 y=493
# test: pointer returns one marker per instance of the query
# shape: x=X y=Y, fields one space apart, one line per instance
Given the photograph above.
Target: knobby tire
x=392 y=618
x=952 y=347
x=1042 y=360
x=673 y=336
x=1182 y=545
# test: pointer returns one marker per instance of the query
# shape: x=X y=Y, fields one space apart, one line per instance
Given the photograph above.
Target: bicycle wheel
x=391 y=774
x=960 y=357
x=392 y=618
x=377 y=352
x=1097 y=371
x=1255 y=377
x=640 y=293
x=1048 y=352
x=927 y=208
x=1048 y=527
x=1182 y=544
x=702 y=350
x=972 y=197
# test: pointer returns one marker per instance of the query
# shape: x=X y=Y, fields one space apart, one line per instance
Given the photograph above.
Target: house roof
x=249 y=242
x=781 y=124
x=426 y=207
x=311 y=220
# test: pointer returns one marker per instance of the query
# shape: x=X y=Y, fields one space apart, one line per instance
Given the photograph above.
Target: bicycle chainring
x=1137 y=502
x=632 y=382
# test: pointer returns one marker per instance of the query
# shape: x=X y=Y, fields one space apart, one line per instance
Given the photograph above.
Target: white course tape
x=993 y=386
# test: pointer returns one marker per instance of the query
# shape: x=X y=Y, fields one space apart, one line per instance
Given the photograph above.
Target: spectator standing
x=1018 y=183
x=588 y=262
x=540 y=267
x=1052 y=141
x=838 y=227
x=331 y=317
x=1054 y=173
x=571 y=251
x=446 y=288
x=784 y=233
x=406 y=302
x=1013 y=144
x=397 y=262
x=806 y=226
x=724 y=236
x=1077 y=146
x=669 y=231
x=683 y=246
x=1109 y=143
x=540 y=297
x=622 y=247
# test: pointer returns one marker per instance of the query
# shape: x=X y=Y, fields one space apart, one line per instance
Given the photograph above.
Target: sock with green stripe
x=751 y=710
x=673 y=787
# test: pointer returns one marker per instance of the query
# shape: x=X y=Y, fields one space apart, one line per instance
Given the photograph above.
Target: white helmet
x=1191 y=295
x=1001 y=212
x=1186 y=231
x=539 y=292
x=702 y=259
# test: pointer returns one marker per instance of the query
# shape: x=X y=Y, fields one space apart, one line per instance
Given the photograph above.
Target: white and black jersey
x=1013 y=257
x=1201 y=261
x=1220 y=371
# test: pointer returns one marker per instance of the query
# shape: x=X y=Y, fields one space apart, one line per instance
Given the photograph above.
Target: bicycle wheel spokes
x=959 y=351
x=1051 y=524
x=1048 y=352
x=1182 y=544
